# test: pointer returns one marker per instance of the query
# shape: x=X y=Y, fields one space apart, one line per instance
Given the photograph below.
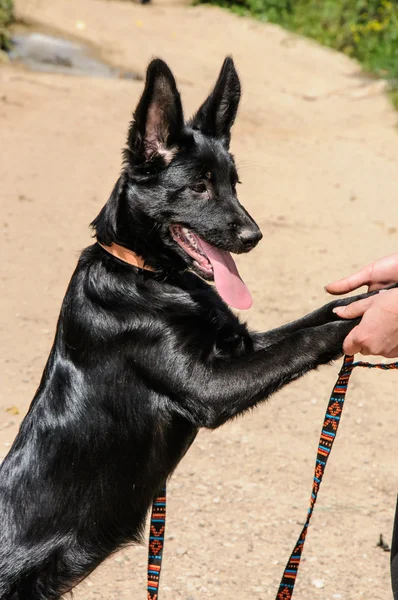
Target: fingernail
x=338 y=309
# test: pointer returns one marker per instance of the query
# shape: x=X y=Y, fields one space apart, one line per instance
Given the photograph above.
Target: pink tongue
x=228 y=281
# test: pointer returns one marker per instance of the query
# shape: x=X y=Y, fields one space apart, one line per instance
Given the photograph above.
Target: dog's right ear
x=158 y=119
x=217 y=114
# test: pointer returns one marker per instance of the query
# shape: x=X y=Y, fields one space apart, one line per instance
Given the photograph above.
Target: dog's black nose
x=250 y=237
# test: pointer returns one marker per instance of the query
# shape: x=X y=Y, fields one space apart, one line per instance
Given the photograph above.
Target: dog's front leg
x=318 y=317
x=209 y=391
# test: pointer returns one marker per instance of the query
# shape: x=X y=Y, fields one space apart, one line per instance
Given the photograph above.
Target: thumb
x=354 y=310
x=351 y=344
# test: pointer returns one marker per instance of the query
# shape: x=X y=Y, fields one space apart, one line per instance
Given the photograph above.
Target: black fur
x=141 y=360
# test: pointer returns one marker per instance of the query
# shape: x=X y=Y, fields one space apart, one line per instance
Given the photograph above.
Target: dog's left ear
x=217 y=114
x=158 y=119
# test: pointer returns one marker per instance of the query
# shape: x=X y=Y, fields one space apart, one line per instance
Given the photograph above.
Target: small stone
x=318 y=583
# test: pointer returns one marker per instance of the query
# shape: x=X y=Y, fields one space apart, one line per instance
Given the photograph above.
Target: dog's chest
x=231 y=341
x=229 y=336
x=210 y=321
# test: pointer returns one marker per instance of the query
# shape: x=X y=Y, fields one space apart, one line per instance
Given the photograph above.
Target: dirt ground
x=317 y=148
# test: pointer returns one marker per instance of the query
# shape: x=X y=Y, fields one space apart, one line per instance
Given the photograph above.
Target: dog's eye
x=199 y=188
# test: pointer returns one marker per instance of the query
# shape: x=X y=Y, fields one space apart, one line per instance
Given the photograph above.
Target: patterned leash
x=327 y=437
x=156 y=543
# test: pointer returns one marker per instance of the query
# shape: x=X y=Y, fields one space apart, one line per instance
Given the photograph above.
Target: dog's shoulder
x=108 y=299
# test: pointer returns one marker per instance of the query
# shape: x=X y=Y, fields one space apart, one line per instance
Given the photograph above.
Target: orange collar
x=127 y=256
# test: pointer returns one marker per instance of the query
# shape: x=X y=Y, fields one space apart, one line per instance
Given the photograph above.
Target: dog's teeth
x=188 y=238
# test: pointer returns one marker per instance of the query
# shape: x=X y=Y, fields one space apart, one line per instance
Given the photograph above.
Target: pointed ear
x=217 y=114
x=158 y=119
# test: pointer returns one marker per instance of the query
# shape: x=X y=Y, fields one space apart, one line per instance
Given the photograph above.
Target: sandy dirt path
x=317 y=148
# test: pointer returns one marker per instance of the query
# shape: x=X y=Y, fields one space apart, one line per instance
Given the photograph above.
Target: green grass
x=394 y=98
x=6 y=18
x=363 y=29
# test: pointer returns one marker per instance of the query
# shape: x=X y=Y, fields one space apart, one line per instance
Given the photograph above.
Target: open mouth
x=191 y=245
x=214 y=263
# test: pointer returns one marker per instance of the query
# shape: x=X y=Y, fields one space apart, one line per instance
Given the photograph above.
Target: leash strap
x=327 y=437
x=156 y=543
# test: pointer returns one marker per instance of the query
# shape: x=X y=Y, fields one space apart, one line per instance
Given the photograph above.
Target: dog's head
x=176 y=202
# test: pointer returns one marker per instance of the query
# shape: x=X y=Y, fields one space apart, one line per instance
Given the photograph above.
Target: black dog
x=145 y=355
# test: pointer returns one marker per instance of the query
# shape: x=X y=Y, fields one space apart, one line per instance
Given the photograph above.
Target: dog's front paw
x=331 y=316
x=327 y=310
x=334 y=334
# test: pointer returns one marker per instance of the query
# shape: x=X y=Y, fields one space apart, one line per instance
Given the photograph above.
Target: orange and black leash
x=327 y=437
x=326 y=440
x=156 y=543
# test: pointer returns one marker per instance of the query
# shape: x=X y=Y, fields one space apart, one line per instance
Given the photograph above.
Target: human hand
x=377 y=333
x=376 y=275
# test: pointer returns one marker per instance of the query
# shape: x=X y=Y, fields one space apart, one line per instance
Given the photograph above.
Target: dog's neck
x=126 y=255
